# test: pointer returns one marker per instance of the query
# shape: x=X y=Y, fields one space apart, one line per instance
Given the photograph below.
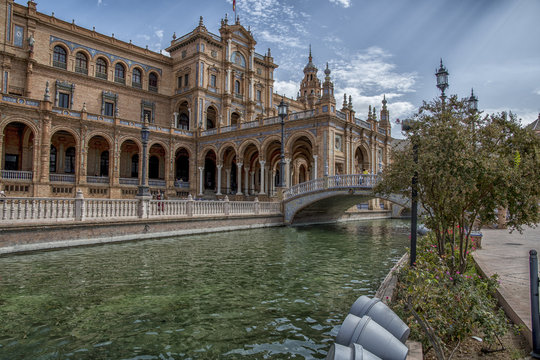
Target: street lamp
x=473 y=102
x=407 y=125
x=144 y=190
x=442 y=80
x=282 y=112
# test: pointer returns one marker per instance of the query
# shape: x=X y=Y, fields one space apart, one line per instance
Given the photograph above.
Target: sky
x=372 y=47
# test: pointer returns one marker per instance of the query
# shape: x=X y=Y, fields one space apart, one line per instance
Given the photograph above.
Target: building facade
x=74 y=101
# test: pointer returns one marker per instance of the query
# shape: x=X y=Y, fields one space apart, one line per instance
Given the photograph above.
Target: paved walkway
x=507 y=255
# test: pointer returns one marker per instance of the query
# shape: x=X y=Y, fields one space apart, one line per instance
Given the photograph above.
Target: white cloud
x=288 y=88
x=99 y=2
x=344 y=3
x=281 y=40
x=159 y=34
x=537 y=92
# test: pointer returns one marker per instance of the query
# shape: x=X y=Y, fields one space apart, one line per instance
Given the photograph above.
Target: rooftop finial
x=201 y=21
x=350 y=102
x=384 y=100
x=174 y=35
x=344 y=100
x=310 y=58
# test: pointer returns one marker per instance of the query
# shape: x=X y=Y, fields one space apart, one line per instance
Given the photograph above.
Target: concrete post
x=144 y=206
x=262 y=192
x=219 y=167
x=257 y=206
x=189 y=206
x=239 y=178
x=79 y=206
x=201 y=172
x=227 y=207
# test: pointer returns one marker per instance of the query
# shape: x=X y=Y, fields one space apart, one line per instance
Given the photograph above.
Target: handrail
x=332 y=182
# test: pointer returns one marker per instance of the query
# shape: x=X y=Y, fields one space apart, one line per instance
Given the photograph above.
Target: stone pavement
x=507 y=254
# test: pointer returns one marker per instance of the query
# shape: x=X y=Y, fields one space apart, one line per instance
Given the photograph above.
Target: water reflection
x=266 y=293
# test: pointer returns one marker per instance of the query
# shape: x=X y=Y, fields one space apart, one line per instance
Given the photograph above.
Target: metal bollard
x=533 y=270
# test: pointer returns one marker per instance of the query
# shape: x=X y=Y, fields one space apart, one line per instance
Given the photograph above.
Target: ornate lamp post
x=473 y=102
x=144 y=190
x=442 y=80
x=282 y=112
x=406 y=125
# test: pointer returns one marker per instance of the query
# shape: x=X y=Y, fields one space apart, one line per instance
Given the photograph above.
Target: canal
x=273 y=293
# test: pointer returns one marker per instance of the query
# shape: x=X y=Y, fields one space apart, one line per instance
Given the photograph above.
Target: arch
x=63 y=139
x=224 y=147
x=60 y=55
x=235 y=118
x=129 y=158
x=104 y=135
x=211 y=117
x=181 y=164
x=210 y=170
x=238 y=59
x=298 y=134
x=102 y=66
x=183 y=115
x=98 y=154
x=361 y=158
x=153 y=80
x=156 y=167
x=242 y=148
x=18 y=147
x=204 y=151
x=81 y=62
x=136 y=77
x=120 y=72
x=268 y=142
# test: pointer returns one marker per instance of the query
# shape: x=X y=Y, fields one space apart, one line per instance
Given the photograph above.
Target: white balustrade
x=97 y=179
x=129 y=181
x=16 y=175
x=65 y=178
x=331 y=182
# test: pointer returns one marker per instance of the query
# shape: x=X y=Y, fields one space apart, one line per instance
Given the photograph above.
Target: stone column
x=315 y=167
x=246 y=179
x=45 y=149
x=228 y=180
x=287 y=172
x=262 y=189
x=201 y=173
x=219 y=179
x=252 y=181
x=273 y=182
x=239 y=178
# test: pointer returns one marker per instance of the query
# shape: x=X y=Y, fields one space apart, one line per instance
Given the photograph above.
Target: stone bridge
x=327 y=198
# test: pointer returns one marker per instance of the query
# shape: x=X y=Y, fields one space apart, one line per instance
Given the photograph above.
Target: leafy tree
x=469 y=165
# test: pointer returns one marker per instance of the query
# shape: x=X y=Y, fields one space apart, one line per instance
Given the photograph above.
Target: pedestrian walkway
x=507 y=254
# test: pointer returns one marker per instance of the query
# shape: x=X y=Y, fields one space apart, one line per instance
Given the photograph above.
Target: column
x=273 y=183
x=201 y=171
x=228 y=82
x=175 y=114
x=252 y=182
x=262 y=191
x=219 y=179
x=287 y=172
x=239 y=178
x=45 y=149
x=228 y=180
x=246 y=180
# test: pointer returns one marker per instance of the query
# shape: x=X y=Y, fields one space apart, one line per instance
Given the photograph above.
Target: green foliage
x=468 y=167
x=452 y=305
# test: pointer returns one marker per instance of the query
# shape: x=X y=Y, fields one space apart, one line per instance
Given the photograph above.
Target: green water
x=274 y=293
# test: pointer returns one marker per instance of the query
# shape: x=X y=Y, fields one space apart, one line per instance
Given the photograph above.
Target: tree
x=469 y=165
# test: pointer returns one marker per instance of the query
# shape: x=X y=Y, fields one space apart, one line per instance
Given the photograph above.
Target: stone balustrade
x=331 y=182
x=50 y=210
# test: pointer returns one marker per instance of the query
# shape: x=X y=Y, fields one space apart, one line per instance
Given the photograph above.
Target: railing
x=228 y=128
x=16 y=175
x=64 y=178
x=271 y=121
x=81 y=70
x=52 y=210
x=209 y=132
x=101 y=75
x=341 y=115
x=152 y=88
x=97 y=179
x=135 y=84
x=332 y=182
x=181 y=184
x=362 y=123
x=301 y=115
x=157 y=183
x=110 y=208
x=128 y=181
x=381 y=131
x=120 y=80
x=251 y=124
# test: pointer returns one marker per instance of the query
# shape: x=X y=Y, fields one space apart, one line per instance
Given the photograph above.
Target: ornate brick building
x=74 y=102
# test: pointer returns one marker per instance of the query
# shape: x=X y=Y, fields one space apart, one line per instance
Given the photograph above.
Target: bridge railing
x=52 y=210
x=331 y=182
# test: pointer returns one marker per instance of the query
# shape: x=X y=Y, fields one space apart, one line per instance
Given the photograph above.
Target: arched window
x=211 y=116
x=52 y=161
x=153 y=167
x=104 y=164
x=136 y=78
x=135 y=166
x=238 y=59
x=119 y=73
x=70 y=161
x=235 y=118
x=101 y=68
x=60 y=57
x=237 y=87
x=152 y=82
x=81 y=63
x=183 y=121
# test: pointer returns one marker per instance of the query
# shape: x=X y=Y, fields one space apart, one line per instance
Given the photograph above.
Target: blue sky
x=373 y=47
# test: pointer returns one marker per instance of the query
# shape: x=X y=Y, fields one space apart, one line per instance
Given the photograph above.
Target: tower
x=327 y=98
x=310 y=87
x=385 y=115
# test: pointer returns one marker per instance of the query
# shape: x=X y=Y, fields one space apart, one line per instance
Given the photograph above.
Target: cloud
x=344 y=3
x=99 y=2
x=288 y=88
x=537 y=92
x=159 y=34
x=281 y=40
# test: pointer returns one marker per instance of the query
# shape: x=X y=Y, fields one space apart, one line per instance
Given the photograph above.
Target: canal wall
x=15 y=238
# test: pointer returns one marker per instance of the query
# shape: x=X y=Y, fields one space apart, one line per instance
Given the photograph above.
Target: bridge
x=327 y=198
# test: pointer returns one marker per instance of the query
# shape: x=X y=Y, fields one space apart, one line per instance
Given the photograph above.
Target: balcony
x=157 y=183
x=129 y=181
x=137 y=85
x=16 y=175
x=120 y=80
x=181 y=184
x=59 y=64
x=101 y=75
x=97 y=179
x=81 y=70
x=152 y=88
x=62 y=178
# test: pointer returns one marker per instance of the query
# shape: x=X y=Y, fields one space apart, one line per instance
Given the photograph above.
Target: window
x=135 y=166
x=120 y=74
x=63 y=100
x=70 y=161
x=136 y=78
x=179 y=82
x=109 y=109
x=104 y=164
x=152 y=82
x=213 y=80
x=81 y=63
x=59 y=57
x=186 y=80
x=11 y=162
x=52 y=160
x=237 y=87
x=259 y=95
x=19 y=36
x=101 y=68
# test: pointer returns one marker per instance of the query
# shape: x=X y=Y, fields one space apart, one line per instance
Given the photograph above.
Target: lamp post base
x=143 y=191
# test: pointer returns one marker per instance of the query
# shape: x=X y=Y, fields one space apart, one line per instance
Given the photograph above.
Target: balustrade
x=97 y=179
x=64 y=178
x=331 y=182
x=16 y=175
